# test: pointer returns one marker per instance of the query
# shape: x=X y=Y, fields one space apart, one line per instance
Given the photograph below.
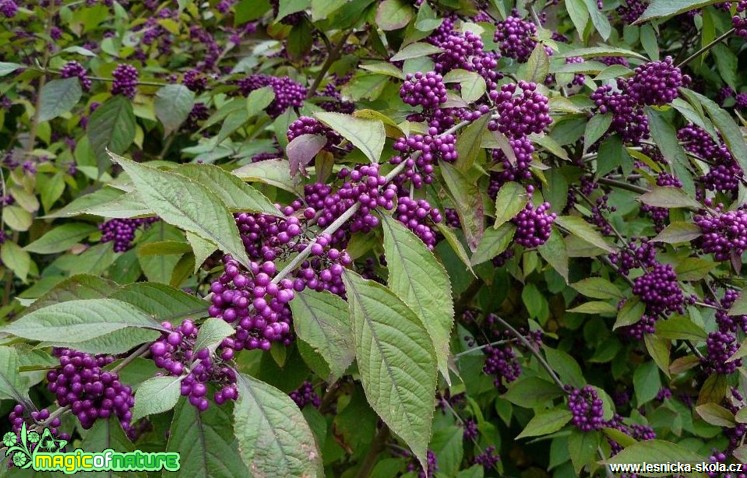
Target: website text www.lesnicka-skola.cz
x=676 y=468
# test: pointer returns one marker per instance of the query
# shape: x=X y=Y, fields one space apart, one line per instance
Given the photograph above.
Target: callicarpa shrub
x=358 y=238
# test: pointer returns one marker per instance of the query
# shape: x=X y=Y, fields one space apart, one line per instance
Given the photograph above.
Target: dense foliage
x=375 y=238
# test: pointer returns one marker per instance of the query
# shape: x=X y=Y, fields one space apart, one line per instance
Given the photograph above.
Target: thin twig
x=332 y=56
x=377 y=445
x=623 y=185
x=705 y=48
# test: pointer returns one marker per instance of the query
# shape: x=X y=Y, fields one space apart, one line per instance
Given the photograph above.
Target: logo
x=43 y=452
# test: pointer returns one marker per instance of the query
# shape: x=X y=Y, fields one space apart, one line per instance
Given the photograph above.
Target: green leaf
x=73 y=288
x=156 y=395
x=415 y=50
x=680 y=327
x=537 y=66
x=287 y=7
x=493 y=242
x=321 y=320
x=367 y=135
x=205 y=442
x=165 y=248
x=595 y=129
x=13 y=386
x=396 y=361
x=393 y=15
x=8 y=68
x=111 y=127
x=468 y=143
x=173 y=104
x=58 y=97
x=665 y=137
x=646 y=382
x=655 y=451
x=201 y=248
x=258 y=100
x=79 y=320
x=17 y=218
x=61 y=238
x=666 y=8
x=185 y=203
x=727 y=126
x=713 y=389
x=383 y=68
x=161 y=301
x=532 y=392
x=668 y=197
x=693 y=268
x=116 y=342
x=546 y=422
x=597 y=51
x=321 y=9
x=467 y=202
x=583 y=446
x=510 y=201
x=595 y=307
x=422 y=283
x=211 y=333
x=275 y=172
x=599 y=19
x=579 y=15
x=598 y=288
x=16 y=259
x=716 y=415
x=740 y=305
x=272 y=434
x=565 y=366
x=658 y=348
x=234 y=193
x=677 y=232
x=472 y=84
x=584 y=231
x=302 y=150
x=630 y=313
x=555 y=253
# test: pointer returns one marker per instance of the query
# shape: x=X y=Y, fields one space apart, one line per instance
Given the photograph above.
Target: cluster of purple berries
x=308 y=125
x=724 y=234
x=18 y=417
x=657 y=82
x=421 y=153
x=639 y=253
x=324 y=269
x=659 y=290
x=501 y=363
x=512 y=171
x=254 y=304
x=424 y=89
x=720 y=346
x=533 y=225
x=726 y=322
x=73 y=69
x=174 y=352
x=516 y=37
x=416 y=215
x=660 y=214
x=125 y=80
x=81 y=382
x=628 y=118
x=488 y=459
x=431 y=465
x=586 y=407
x=122 y=231
x=267 y=237
x=8 y=8
x=288 y=93
x=305 y=395
x=520 y=114
x=195 y=80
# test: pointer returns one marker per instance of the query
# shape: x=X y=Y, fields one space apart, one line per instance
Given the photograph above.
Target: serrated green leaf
x=185 y=203
x=596 y=128
x=211 y=333
x=666 y=8
x=584 y=231
x=16 y=259
x=531 y=392
x=422 y=283
x=173 y=104
x=156 y=395
x=546 y=423
x=554 y=251
x=668 y=197
x=493 y=242
x=716 y=415
x=161 y=301
x=61 y=238
x=205 y=442
x=13 y=386
x=537 y=67
x=598 y=288
x=111 y=127
x=655 y=451
x=565 y=366
x=582 y=446
x=367 y=135
x=467 y=202
x=396 y=361
x=468 y=143
x=595 y=307
x=272 y=434
x=17 y=218
x=393 y=14
x=630 y=313
x=510 y=200
x=416 y=50
x=321 y=320
x=680 y=327
x=646 y=382
x=678 y=232
x=275 y=172
x=258 y=100
x=7 y=68
x=79 y=320
x=57 y=97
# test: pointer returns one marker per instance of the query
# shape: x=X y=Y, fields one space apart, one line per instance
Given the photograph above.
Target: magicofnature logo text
x=43 y=452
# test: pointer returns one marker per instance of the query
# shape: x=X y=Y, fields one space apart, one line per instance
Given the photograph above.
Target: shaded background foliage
x=375 y=238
